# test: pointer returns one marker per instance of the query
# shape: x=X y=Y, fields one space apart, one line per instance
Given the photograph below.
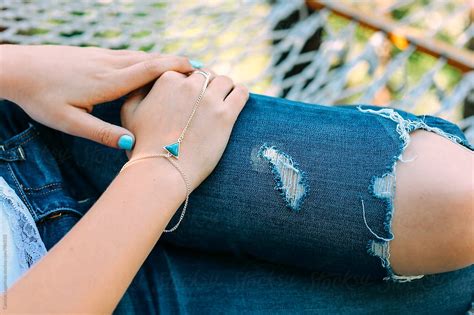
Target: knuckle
x=104 y=135
x=100 y=76
x=242 y=91
x=175 y=62
x=152 y=66
x=153 y=54
x=212 y=72
x=181 y=61
x=168 y=76
x=224 y=80
x=192 y=85
x=228 y=79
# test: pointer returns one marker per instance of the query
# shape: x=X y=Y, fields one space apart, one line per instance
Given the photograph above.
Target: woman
x=334 y=169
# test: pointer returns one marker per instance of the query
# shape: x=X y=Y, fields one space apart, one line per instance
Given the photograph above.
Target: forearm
x=103 y=252
x=10 y=70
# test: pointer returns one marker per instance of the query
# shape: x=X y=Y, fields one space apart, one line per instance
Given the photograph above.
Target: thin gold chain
x=178 y=168
x=196 y=103
x=169 y=157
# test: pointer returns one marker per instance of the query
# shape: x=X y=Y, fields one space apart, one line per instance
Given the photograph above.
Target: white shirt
x=21 y=244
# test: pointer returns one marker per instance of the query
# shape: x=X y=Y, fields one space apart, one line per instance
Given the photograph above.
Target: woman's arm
x=91 y=267
x=59 y=85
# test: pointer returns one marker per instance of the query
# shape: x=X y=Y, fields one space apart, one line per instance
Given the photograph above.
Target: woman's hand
x=158 y=118
x=59 y=85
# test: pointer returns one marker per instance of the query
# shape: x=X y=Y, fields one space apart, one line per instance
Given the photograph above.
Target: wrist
x=186 y=172
x=159 y=173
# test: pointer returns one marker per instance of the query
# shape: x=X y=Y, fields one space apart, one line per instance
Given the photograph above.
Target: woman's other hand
x=158 y=118
x=59 y=85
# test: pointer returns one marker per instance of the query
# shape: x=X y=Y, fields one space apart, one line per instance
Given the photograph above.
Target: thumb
x=85 y=125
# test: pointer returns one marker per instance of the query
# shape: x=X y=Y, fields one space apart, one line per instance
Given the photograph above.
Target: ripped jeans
x=295 y=217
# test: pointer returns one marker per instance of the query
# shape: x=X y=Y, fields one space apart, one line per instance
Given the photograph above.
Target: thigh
x=295 y=185
x=179 y=280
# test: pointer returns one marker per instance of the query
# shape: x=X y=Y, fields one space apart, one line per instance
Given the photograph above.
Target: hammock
x=399 y=53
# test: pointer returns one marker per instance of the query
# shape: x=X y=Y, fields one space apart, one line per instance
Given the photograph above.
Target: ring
x=205 y=74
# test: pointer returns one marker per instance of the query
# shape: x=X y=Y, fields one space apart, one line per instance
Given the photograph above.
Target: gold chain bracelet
x=173 y=151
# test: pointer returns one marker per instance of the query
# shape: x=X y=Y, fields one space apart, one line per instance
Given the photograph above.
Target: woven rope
x=258 y=44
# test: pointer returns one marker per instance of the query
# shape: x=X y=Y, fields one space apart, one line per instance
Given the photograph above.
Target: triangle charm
x=173 y=149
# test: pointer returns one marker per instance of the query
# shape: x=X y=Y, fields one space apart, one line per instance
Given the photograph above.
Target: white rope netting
x=279 y=48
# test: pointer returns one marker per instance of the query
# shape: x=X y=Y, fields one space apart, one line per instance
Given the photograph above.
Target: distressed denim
x=293 y=219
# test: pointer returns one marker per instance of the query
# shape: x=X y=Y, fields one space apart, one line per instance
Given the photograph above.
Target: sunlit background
x=410 y=54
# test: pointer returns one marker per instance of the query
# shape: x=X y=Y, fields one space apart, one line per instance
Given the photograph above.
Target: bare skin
x=88 y=256
x=59 y=85
x=434 y=209
x=432 y=221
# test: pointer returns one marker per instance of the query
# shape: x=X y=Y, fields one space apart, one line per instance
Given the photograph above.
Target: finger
x=221 y=86
x=127 y=52
x=237 y=98
x=138 y=75
x=132 y=102
x=127 y=60
x=196 y=79
x=211 y=72
x=199 y=78
x=169 y=78
x=85 y=125
x=135 y=97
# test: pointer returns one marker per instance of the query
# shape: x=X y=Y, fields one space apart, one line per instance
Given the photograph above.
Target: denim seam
x=27 y=133
x=53 y=186
x=29 y=139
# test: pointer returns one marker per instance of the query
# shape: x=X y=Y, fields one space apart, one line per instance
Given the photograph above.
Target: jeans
x=293 y=218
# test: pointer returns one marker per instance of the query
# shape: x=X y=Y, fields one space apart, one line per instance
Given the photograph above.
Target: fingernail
x=125 y=142
x=196 y=64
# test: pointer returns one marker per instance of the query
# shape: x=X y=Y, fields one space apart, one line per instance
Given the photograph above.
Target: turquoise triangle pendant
x=173 y=149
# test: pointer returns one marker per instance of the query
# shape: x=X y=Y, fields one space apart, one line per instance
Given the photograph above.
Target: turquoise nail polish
x=196 y=64
x=125 y=142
